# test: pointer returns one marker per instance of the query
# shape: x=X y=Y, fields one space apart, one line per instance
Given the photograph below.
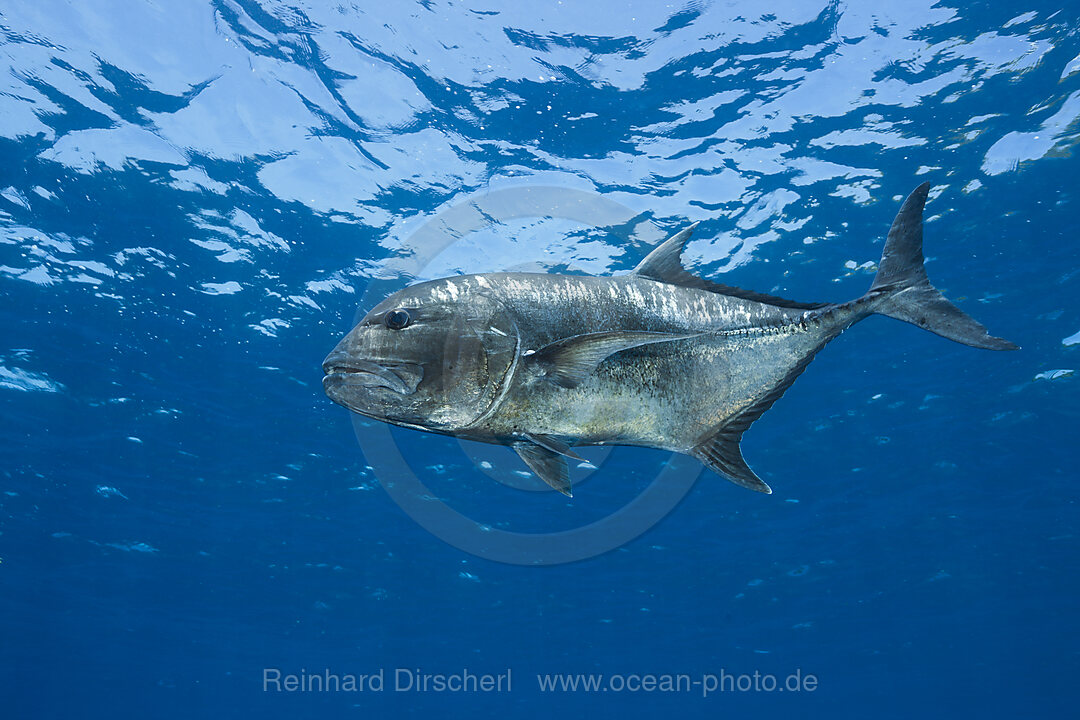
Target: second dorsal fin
x=664 y=264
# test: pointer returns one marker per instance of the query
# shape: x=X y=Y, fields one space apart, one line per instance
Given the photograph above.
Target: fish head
x=433 y=356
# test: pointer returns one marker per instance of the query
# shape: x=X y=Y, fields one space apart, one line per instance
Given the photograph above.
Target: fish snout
x=342 y=369
x=335 y=361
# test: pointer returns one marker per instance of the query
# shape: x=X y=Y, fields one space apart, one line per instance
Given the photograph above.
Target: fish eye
x=396 y=319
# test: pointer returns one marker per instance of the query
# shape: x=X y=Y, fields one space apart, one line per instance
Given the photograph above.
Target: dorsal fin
x=720 y=450
x=664 y=264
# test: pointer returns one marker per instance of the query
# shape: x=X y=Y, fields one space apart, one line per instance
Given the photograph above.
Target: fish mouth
x=345 y=372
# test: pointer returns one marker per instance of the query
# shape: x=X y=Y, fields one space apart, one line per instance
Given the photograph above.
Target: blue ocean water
x=196 y=198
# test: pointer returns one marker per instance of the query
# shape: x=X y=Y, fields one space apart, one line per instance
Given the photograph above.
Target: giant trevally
x=658 y=358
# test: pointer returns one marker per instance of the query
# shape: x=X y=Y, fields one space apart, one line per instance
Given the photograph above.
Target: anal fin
x=721 y=454
x=720 y=450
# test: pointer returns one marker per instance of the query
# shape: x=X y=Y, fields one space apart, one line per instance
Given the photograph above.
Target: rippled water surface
x=195 y=197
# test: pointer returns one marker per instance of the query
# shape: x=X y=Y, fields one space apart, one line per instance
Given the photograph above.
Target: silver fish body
x=713 y=354
x=657 y=358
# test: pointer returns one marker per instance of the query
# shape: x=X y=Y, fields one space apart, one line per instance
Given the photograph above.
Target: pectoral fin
x=569 y=361
x=548 y=465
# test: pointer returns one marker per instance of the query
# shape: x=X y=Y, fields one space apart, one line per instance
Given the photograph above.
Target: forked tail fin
x=905 y=292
